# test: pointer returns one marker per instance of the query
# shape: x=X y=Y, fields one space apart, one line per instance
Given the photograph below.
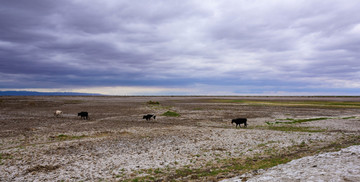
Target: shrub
x=153 y=102
x=171 y=114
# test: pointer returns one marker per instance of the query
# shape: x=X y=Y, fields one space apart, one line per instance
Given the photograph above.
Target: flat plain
x=191 y=139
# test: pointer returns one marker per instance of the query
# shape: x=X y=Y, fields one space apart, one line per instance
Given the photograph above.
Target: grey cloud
x=187 y=42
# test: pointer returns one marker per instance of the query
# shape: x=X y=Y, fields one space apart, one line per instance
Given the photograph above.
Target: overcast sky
x=181 y=47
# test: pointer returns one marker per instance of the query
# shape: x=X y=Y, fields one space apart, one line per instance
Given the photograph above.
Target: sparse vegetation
x=351 y=117
x=67 y=137
x=300 y=103
x=1 y=157
x=295 y=129
x=41 y=168
x=230 y=166
x=157 y=106
x=293 y=121
x=73 y=102
x=171 y=114
x=153 y=102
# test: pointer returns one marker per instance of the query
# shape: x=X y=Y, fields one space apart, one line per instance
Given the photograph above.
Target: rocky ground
x=333 y=166
x=116 y=144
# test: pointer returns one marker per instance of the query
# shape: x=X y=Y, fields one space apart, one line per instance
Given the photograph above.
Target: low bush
x=171 y=114
x=153 y=102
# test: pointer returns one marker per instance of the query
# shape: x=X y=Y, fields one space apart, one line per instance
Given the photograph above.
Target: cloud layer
x=195 y=47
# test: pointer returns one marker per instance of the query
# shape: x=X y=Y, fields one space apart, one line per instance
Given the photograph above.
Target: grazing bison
x=84 y=115
x=239 y=121
x=149 y=116
x=58 y=113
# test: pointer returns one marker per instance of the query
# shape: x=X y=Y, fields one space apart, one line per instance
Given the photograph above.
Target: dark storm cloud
x=265 y=45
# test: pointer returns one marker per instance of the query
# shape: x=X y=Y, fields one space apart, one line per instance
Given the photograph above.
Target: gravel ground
x=116 y=144
x=333 y=166
x=108 y=157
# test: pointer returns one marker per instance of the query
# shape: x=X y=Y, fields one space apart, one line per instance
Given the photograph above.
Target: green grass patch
x=351 y=117
x=183 y=172
x=141 y=179
x=261 y=145
x=228 y=101
x=293 y=121
x=153 y=102
x=211 y=172
x=255 y=163
x=157 y=171
x=171 y=114
x=73 y=101
x=295 y=129
x=4 y=156
x=157 y=106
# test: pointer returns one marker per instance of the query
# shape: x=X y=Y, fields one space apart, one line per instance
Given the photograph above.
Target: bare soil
x=116 y=144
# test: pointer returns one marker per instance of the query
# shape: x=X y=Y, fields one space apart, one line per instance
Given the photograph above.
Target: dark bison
x=84 y=115
x=239 y=121
x=149 y=116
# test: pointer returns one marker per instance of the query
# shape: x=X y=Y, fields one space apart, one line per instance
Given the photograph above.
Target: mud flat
x=197 y=143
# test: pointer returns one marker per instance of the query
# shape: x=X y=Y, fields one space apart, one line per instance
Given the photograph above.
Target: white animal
x=58 y=113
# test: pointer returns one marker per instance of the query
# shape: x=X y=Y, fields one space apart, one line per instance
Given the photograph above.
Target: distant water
x=31 y=93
